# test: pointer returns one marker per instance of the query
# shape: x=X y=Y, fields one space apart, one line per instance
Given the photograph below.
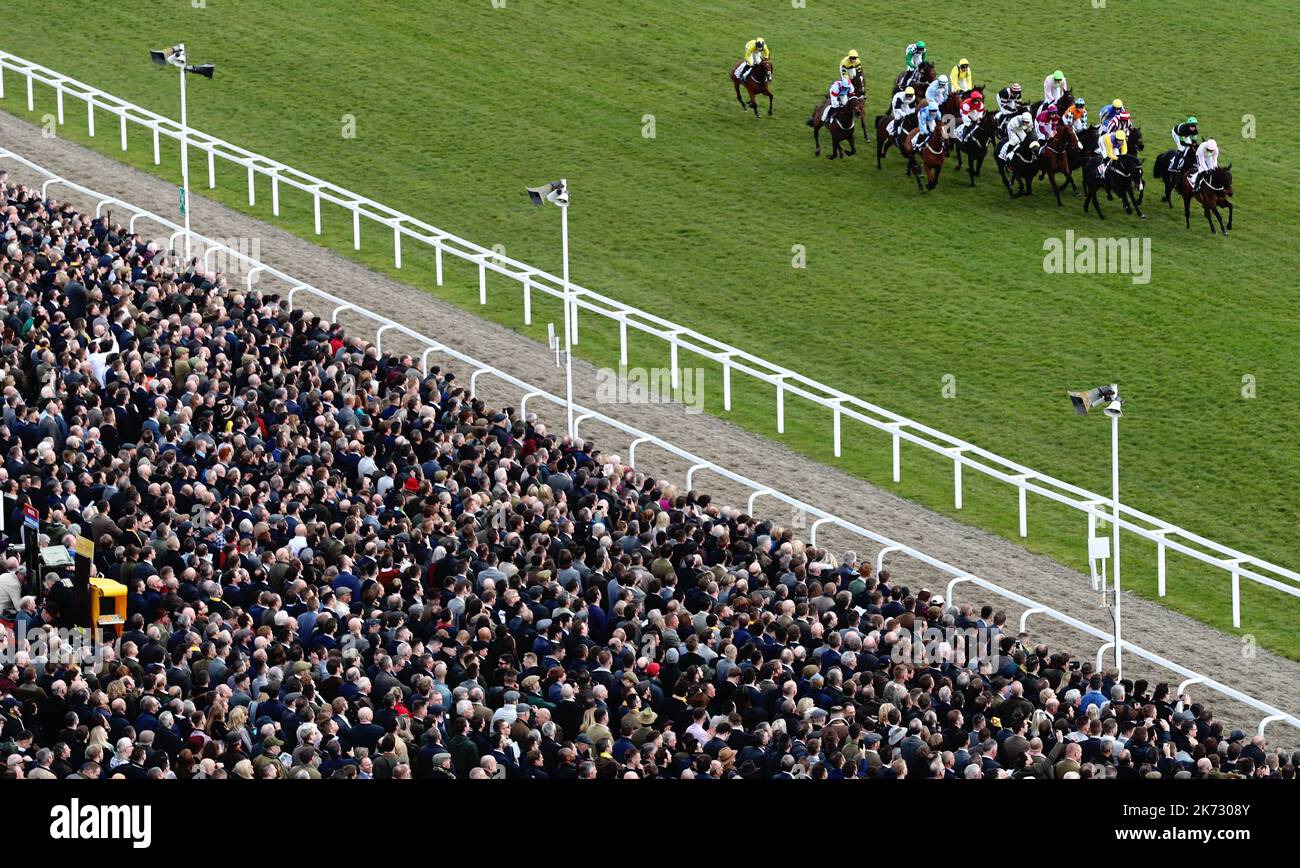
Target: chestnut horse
x=932 y=157
x=1054 y=158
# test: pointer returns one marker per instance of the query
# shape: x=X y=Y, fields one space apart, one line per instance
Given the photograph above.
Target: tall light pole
x=175 y=56
x=1083 y=402
x=557 y=193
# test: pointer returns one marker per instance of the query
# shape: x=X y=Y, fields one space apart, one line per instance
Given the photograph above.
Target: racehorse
x=1171 y=174
x=931 y=157
x=860 y=89
x=841 y=125
x=758 y=81
x=884 y=139
x=1123 y=178
x=1212 y=192
x=976 y=146
x=1020 y=167
x=1089 y=138
x=917 y=78
x=1064 y=102
x=1054 y=157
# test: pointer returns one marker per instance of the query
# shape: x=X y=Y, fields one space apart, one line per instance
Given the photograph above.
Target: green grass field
x=458 y=105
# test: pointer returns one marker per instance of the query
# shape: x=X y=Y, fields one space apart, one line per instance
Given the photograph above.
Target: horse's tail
x=1162 y=164
x=809 y=122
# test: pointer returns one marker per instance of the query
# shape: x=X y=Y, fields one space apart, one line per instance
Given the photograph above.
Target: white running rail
x=1165 y=535
x=821 y=517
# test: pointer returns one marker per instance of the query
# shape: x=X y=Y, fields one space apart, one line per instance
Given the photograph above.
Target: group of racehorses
x=1057 y=156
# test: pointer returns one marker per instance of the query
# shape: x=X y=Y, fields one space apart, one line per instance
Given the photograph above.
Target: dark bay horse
x=841 y=123
x=859 y=81
x=1123 y=179
x=976 y=146
x=1066 y=100
x=884 y=139
x=1166 y=170
x=1020 y=168
x=918 y=78
x=1212 y=192
x=757 y=82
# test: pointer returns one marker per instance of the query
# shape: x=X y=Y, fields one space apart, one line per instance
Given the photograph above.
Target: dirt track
x=1264 y=676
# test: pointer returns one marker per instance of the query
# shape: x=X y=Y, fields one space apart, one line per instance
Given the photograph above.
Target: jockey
x=850 y=66
x=1008 y=101
x=1184 y=141
x=1110 y=146
x=1121 y=120
x=1207 y=160
x=972 y=112
x=1054 y=87
x=937 y=93
x=1020 y=128
x=839 y=94
x=904 y=103
x=1048 y=120
x=1077 y=115
x=915 y=55
x=756 y=51
x=963 y=80
x=926 y=120
x=1110 y=111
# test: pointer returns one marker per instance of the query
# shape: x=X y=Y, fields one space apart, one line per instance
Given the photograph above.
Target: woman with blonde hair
x=237 y=721
x=98 y=737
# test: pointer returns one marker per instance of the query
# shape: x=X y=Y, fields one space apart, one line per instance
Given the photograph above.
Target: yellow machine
x=107 y=605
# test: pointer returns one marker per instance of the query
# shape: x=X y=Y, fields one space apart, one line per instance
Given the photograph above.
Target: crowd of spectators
x=340 y=567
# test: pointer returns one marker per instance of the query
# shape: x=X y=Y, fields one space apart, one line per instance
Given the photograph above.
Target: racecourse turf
x=458 y=105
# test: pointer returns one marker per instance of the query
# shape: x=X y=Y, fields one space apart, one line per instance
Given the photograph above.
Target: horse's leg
x=1003 y=175
x=739 y=99
x=1229 y=205
x=817 y=141
x=853 y=144
x=915 y=170
x=768 y=91
x=1056 y=191
x=1187 y=209
x=1205 y=206
x=1218 y=215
